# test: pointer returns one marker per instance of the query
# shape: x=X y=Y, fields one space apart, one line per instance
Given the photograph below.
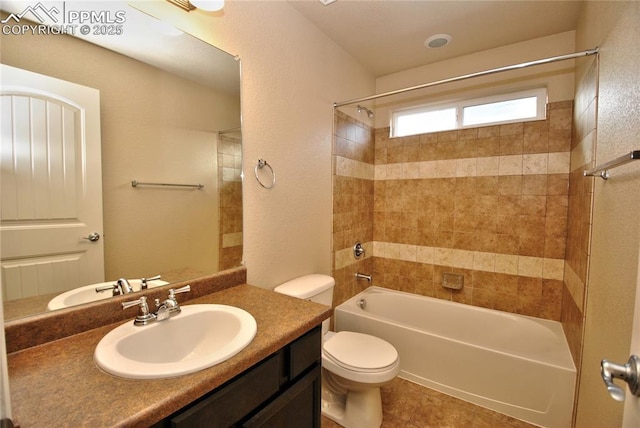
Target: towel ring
x=261 y=164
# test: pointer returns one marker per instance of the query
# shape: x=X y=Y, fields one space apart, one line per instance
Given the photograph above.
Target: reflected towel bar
x=226 y=131
x=602 y=171
x=136 y=183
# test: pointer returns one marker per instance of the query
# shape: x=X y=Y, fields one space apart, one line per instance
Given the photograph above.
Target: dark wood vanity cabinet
x=282 y=390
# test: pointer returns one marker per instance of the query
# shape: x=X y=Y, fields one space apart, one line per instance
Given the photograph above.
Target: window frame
x=541 y=110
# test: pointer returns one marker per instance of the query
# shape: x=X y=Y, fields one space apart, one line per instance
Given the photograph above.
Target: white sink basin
x=200 y=336
x=87 y=293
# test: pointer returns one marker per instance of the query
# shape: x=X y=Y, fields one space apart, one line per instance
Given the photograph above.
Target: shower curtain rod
x=471 y=75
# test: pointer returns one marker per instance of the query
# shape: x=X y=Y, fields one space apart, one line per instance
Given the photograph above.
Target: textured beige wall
x=616 y=230
x=291 y=75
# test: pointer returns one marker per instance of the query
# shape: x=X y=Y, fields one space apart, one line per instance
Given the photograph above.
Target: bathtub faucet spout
x=363 y=276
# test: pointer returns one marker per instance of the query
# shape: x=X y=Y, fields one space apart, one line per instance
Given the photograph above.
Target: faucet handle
x=143 y=281
x=113 y=288
x=144 y=317
x=171 y=304
x=172 y=292
x=142 y=302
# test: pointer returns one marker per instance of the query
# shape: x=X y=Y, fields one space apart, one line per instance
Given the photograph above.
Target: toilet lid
x=360 y=351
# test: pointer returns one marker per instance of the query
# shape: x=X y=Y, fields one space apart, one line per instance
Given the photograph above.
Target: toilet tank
x=315 y=287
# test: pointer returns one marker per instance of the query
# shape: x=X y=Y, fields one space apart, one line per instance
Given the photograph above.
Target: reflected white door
x=51 y=184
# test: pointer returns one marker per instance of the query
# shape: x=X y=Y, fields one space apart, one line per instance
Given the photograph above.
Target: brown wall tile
x=578 y=203
x=518 y=215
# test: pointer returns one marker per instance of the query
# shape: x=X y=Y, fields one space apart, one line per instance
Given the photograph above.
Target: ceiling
x=387 y=36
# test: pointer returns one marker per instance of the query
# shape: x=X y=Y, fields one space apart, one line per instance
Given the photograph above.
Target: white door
x=50 y=184
x=631 y=416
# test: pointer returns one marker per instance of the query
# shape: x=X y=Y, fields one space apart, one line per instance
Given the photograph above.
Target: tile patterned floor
x=408 y=405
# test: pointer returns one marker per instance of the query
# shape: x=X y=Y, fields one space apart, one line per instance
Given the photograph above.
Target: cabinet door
x=298 y=406
x=305 y=352
x=231 y=403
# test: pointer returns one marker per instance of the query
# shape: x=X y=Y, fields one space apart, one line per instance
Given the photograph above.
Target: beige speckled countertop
x=58 y=384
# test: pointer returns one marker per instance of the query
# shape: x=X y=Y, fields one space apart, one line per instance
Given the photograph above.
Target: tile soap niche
x=452 y=281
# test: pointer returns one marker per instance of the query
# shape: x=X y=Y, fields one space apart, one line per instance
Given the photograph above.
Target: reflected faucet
x=123 y=286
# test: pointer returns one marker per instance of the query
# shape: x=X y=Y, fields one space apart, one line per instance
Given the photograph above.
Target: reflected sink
x=87 y=293
x=200 y=336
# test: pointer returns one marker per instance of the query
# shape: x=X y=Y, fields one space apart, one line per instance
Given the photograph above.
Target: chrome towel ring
x=261 y=164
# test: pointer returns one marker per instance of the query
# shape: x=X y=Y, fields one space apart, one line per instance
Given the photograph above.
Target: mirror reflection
x=168 y=112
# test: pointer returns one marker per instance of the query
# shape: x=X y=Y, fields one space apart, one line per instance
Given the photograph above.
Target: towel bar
x=136 y=183
x=602 y=171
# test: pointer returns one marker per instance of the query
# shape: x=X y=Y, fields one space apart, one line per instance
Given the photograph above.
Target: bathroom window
x=498 y=109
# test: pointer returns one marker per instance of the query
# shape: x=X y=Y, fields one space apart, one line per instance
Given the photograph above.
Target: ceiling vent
x=437 y=41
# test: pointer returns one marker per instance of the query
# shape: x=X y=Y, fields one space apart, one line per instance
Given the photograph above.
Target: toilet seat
x=360 y=352
x=360 y=357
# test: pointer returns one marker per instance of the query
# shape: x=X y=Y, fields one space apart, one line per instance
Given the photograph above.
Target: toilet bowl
x=354 y=365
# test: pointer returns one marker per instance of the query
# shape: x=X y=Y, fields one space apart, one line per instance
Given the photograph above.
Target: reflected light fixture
x=327 y=2
x=206 y=5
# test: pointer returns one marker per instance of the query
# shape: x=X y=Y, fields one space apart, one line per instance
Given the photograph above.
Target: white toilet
x=354 y=365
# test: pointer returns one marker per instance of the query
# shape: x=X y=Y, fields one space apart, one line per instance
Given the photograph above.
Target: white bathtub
x=517 y=365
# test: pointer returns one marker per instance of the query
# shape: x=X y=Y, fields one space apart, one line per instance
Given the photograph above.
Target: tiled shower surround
x=579 y=223
x=489 y=203
x=229 y=177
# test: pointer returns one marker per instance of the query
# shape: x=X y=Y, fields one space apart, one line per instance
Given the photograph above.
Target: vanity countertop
x=58 y=383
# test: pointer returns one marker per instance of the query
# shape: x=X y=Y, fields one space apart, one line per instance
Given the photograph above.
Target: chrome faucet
x=170 y=307
x=359 y=275
x=164 y=310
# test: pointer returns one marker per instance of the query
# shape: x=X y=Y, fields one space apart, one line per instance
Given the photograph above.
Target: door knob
x=629 y=372
x=93 y=237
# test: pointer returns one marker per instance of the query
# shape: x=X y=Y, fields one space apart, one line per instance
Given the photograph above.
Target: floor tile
x=408 y=405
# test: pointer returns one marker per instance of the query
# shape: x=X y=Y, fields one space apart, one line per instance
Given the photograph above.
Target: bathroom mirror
x=169 y=114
